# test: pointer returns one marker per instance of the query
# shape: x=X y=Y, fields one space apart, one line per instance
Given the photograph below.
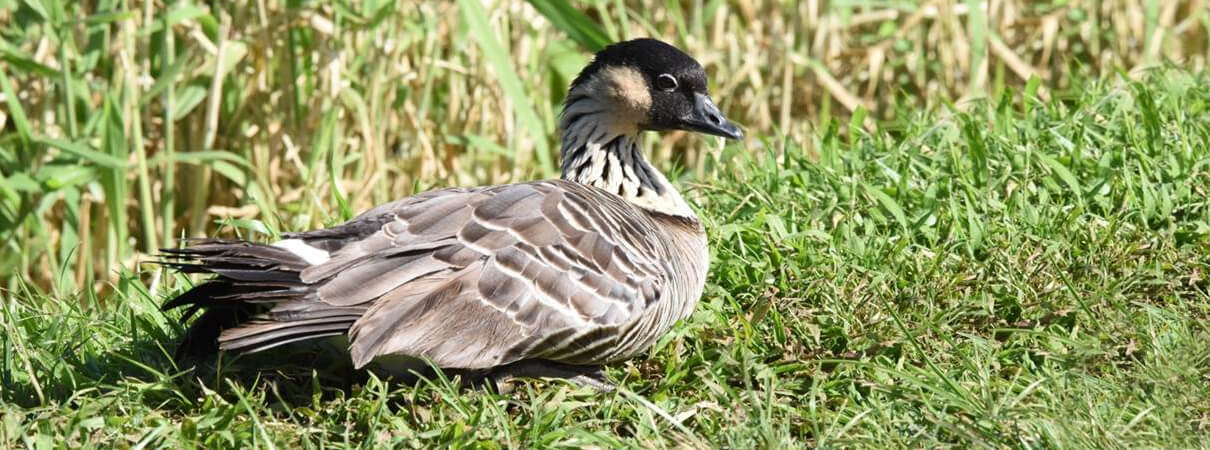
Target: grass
x=1015 y=261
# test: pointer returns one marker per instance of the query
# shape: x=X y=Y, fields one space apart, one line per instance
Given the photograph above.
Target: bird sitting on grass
x=550 y=278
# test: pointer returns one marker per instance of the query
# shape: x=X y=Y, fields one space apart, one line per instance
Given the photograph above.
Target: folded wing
x=475 y=278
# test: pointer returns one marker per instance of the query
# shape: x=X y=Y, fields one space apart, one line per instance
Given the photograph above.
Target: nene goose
x=542 y=279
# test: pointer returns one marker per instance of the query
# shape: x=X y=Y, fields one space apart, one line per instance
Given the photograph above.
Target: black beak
x=706 y=118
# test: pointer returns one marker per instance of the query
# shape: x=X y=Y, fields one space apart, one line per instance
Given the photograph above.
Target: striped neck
x=600 y=150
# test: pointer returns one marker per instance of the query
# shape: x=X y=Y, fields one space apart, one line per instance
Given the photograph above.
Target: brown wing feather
x=469 y=278
x=474 y=278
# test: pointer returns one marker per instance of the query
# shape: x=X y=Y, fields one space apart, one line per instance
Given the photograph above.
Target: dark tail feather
x=201 y=339
x=256 y=301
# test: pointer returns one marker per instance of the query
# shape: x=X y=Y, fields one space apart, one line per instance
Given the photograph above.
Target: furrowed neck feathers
x=601 y=148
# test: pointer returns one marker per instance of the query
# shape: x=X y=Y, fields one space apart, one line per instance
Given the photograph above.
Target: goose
x=551 y=278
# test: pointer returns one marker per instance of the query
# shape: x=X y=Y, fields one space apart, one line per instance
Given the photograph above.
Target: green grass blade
x=92 y=156
x=15 y=111
x=497 y=57
x=576 y=24
x=891 y=206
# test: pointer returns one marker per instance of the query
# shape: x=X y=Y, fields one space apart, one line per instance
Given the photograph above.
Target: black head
x=657 y=86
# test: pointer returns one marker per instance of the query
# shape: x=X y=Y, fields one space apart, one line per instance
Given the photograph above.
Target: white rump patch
x=311 y=255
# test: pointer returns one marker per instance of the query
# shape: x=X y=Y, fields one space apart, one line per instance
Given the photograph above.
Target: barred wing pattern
x=480 y=277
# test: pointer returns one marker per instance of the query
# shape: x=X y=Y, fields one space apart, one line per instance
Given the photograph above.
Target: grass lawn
x=1028 y=269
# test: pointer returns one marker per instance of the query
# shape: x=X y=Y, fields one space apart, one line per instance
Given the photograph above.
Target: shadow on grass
x=64 y=364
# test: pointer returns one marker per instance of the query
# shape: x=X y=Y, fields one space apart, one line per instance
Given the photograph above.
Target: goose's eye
x=665 y=82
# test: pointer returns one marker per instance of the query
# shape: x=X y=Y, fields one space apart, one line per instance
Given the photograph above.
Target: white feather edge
x=311 y=255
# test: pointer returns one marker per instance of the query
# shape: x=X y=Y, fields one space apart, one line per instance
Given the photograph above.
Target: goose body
x=585 y=270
